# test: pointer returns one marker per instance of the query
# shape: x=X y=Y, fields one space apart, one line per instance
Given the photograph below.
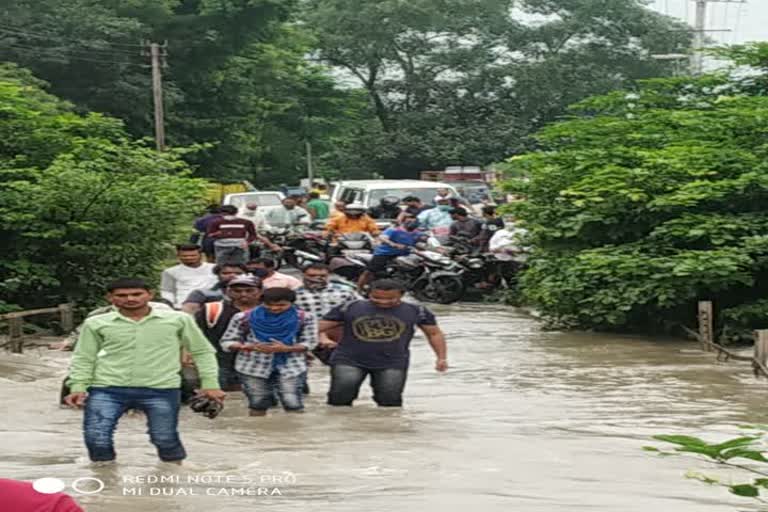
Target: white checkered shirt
x=320 y=302
x=257 y=364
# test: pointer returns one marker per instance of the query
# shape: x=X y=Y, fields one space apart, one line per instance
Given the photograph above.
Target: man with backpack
x=271 y=342
x=242 y=294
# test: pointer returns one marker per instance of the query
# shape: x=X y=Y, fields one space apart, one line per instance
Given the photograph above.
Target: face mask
x=445 y=207
x=411 y=226
x=260 y=272
x=315 y=283
x=289 y=207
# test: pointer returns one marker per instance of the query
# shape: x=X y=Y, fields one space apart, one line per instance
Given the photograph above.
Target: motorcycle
x=429 y=276
x=350 y=255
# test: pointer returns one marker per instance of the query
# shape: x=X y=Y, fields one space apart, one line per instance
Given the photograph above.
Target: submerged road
x=524 y=420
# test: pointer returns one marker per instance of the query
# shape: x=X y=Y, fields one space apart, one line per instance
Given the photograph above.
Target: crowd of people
x=225 y=326
x=224 y=319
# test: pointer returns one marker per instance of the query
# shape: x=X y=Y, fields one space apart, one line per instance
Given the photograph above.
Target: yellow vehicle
x=218 y=191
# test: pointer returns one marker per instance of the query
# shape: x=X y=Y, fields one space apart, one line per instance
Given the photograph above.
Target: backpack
x=213 y=312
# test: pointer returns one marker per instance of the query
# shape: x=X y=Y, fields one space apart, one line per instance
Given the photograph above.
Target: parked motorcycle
x=428 y=275
x=350 y=255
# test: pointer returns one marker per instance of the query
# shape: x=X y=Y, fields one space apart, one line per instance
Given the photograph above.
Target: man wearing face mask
x=395 y=242
x=264 y=269
x=438 y=220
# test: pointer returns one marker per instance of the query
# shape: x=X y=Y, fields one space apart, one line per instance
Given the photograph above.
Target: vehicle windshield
x=241 y=200
x=427 y=195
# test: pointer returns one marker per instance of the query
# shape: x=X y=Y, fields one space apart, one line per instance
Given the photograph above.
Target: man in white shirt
x=289 y=216
x=252 y=213
x=190 y=274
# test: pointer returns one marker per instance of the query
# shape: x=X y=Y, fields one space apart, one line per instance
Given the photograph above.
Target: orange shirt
x=342 y=225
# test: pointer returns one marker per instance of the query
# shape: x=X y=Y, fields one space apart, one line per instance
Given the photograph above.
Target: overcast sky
x=747 y=21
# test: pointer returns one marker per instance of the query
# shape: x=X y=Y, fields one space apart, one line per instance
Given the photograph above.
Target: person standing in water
x=131 y=359
x=376 y=342
x=272 y=342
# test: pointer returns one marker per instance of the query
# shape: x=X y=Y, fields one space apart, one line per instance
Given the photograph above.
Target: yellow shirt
x=342 y=225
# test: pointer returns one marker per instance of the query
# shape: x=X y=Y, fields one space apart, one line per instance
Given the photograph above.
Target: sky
x=747 y=21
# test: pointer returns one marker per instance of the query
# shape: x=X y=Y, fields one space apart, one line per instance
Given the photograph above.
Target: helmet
x=355 y=209
x=390 y=201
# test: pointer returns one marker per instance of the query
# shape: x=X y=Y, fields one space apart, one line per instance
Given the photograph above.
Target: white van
x=370 y=192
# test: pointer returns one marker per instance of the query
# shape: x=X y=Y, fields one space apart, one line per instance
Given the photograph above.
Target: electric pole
x=700 y=28
x=157 y=53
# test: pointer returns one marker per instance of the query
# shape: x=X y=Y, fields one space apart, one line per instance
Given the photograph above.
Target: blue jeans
x=260 y=391
x=105 y=406
x=387 y=384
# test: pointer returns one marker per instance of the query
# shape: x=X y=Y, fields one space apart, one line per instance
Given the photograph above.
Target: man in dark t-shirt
x=376 y=341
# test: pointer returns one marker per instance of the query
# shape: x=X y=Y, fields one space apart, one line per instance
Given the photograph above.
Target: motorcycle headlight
x=476 y=264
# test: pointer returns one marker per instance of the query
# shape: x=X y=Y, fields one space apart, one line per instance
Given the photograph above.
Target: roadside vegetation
x=649 y=199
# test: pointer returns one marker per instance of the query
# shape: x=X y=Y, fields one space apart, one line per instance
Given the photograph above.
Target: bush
x=648 y=201
x=80 y=203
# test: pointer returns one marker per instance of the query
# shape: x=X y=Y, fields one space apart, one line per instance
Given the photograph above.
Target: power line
x=64 y=58
x=38 y=35
x=82 y=49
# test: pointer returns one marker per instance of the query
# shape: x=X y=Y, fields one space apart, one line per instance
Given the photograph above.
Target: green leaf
x=681 y=440
x=739 y=441
x=746 y=490
x=744 y=454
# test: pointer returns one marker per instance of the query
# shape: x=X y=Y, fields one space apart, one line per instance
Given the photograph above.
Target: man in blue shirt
x=395 y=241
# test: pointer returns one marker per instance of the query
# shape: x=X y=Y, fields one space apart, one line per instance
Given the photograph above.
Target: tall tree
x=458 y=81
x=236 y=76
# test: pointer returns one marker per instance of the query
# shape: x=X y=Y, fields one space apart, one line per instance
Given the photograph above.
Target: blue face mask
x=445 y=207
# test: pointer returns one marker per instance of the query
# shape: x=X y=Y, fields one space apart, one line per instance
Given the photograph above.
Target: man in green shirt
x=316 y=207
x=131 y=359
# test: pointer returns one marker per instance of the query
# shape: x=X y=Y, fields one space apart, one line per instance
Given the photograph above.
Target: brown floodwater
x=524 y=420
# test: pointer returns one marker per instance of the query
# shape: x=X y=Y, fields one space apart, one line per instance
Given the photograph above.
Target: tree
x=456 y=81
x=80 y=202
x=236 y=75
x=647 y=201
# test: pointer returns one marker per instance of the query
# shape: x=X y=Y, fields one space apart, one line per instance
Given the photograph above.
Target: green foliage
x=466 y=82
x=81 y=203
x=645 y=202
x=237 y=78
x=739 y=453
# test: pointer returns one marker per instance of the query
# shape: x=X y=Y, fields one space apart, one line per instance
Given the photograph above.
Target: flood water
x=524 y=420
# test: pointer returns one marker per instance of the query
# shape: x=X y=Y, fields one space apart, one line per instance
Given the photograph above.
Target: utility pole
x=157 y=53
x=700 y=28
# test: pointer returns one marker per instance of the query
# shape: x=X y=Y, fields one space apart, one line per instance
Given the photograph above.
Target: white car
x=267 y=200
x=370 y=192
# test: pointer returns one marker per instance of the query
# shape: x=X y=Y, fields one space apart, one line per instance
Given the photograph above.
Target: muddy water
x=525 y=420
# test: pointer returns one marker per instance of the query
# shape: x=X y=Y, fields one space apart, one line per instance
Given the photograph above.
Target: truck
x=473 y=183
x=217 y=191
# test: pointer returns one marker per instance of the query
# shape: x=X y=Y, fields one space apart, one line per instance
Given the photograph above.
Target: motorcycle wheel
x=440 y=290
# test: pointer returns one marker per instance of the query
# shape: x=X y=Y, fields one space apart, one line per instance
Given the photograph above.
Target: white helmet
x=355 y=208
